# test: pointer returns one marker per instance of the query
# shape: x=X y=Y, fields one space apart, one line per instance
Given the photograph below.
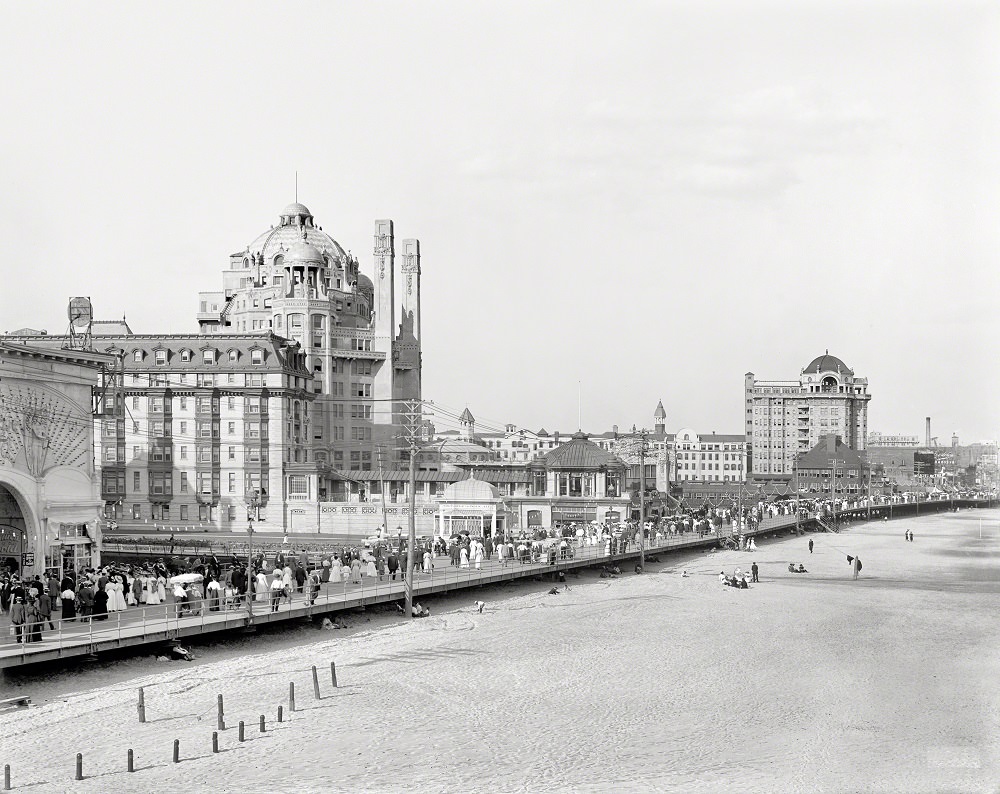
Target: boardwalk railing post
x=291 y=697
x=142 y=706
x=215 y=741
x=222 y=717
x=241 y=730
x=280 y=714
x=333 y=673
x=177 y=750
x=131 y=761
x=6 y=777
x=315 y=684
x=262 y=729
x=79 y=766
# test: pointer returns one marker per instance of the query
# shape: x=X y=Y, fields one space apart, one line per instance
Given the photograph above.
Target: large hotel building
x=787 y=418
x=298 y=373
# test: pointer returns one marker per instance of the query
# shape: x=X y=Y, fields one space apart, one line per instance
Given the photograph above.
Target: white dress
x=161 y=589
x=116 y=597
x=152 y=591
x=263 y=588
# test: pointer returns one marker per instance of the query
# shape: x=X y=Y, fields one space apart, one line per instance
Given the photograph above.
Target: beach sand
x=805 y=682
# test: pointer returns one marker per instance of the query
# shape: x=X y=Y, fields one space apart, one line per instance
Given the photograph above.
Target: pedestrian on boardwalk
x=356 y=571
x=32 y=621
x=810 y=546
x=68 y=598
x=17 y=618
x=753 y=570
x=45 y=609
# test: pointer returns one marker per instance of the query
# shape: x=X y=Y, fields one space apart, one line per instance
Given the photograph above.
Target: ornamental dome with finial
x=297 y=225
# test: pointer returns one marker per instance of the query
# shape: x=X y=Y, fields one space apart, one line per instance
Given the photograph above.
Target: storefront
x=470 y=506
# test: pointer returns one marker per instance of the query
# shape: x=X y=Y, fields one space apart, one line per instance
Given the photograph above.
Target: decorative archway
x=17 y=527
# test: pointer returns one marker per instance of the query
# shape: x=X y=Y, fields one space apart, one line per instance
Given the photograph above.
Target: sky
x=616 y=203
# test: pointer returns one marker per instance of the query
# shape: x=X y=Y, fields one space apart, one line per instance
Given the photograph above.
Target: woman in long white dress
x=465 y=557
x=370 y=570
x=129 y=590
x=262 y=588
x=478 y=556
x=336 y=571
x=161 y=588
x=116 y=595
x=151 y=591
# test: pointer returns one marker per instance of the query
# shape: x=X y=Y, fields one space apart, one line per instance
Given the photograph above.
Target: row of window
x=209 y=357
x=162 y=483
x=207 y=379
x=161 y=512
x=164 y=454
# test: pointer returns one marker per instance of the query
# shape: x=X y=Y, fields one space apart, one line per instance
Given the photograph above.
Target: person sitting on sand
x=791 y=567
x=801 y=569
x=743 y=583
x=722 y=576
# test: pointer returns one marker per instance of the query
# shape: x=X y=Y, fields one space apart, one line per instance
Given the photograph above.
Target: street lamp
x=253 y=506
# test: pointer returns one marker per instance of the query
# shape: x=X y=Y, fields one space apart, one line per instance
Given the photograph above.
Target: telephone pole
x=410 y=435
x=637 y=447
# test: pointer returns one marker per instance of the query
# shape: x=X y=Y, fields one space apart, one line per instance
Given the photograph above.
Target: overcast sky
x=647 y=199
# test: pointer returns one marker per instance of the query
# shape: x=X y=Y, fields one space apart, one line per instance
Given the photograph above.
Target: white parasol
x=186 y=578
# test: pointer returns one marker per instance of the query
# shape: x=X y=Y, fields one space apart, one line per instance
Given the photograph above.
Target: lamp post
x=253 y=508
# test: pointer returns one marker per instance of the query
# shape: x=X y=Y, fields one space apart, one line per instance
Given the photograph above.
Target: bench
x=16 y=702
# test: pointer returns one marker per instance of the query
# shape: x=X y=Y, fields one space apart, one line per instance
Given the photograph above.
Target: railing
x=142 y=623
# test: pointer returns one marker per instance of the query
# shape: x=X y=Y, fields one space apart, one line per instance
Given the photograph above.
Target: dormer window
x=233 y=356
x=137 y=355
x=160 y=357
x=257 y=357
x=208 y=356
x=185 y=355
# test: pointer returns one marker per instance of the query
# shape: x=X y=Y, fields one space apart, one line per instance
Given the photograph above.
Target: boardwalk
x=157 y=625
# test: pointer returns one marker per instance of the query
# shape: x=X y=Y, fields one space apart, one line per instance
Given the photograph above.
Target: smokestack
x=928 y=442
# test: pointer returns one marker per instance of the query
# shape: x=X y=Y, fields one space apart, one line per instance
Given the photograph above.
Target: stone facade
x=50 y=499
x=787 y=418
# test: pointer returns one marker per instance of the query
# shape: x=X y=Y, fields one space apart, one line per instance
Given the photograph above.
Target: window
x=184 y=453
x=232 y=453
x=136 y=512
x=233 y=356
x=298 y=486
x=135 y=403
x=257 y=357
x=160 y=357
x=184 y=482
x=110 y=454
x=205 y=379
x=361 y=389
x=208 y=356
x=136 y=482
x=361 y=434
x=137 y=355
x=251 y=429
x=184 y=512
x=232 y=482
x=183 y=428
x=361 y=411
x=185 y=355
x=160 y=483
x=205 y=455
x=362 y=367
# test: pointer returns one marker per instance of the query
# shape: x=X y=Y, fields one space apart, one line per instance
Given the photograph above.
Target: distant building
x=787 y=418
x=832 y=468
x=891 y=440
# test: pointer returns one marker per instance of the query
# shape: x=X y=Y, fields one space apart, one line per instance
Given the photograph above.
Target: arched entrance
x=13 y=532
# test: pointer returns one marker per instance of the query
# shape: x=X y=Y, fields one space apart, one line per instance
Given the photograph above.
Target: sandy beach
x=805 y=682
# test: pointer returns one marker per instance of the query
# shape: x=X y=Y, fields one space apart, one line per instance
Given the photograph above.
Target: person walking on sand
x=906 y=535
x=810 y=546
x=911 y=536
x=754 y=570
x=855 y=565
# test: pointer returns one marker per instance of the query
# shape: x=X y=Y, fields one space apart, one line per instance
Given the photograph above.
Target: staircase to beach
x=826 y=525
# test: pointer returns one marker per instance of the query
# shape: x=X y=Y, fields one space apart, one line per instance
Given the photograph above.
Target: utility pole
x=641 y=437
x=412 y=415
x=798 y=529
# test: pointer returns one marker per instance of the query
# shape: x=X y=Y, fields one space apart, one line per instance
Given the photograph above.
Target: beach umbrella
x=186 y=578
